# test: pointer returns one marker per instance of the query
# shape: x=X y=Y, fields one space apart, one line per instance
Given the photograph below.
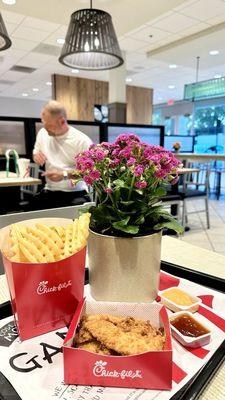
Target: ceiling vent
x=48 y=49
x=5 y=82
x=20 y=68
x=130 y=72
x=139 y=67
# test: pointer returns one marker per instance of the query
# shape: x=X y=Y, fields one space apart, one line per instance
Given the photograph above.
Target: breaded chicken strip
x=125 y=343
x=95 y=347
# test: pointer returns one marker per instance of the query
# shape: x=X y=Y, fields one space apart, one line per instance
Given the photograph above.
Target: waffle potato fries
x=44 y=244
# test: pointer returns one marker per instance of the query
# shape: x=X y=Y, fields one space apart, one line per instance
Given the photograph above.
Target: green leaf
x=119 y=183
x=121 y=223
x=132 y=229
x=155 y=210
x=116 y=194
x=127 y=203
x=173 y=224
x=139 y=191
x=102 y=215
x=159 y=192
x=140 y=220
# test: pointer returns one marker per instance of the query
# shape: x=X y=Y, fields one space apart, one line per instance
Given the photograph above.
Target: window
x=157 y=118
x=209 y=127
x=12 y=136
x=184 y=124
x=147 y=134
x=169 y=126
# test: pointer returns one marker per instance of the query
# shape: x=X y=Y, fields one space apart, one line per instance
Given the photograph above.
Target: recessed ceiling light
x=217 y=76
x=48 y=83
x=9 y=2
x=171 y=87
x=214 y=52
x=24 y=94
x=173 y=66
x=75 y=71
x=35 y=89
x=60 y=41
x=128 y=80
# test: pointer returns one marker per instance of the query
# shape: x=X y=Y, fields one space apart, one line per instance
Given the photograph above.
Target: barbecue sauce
x=188 y=326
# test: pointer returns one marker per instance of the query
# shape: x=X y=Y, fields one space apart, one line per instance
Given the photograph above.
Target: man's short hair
x=56 y=109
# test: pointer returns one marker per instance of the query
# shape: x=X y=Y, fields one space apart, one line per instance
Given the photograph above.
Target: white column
x=117 y=93
x=117 y=83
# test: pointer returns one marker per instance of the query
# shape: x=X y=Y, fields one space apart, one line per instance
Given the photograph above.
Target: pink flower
x=107 y=145
x=116 y=151
x=126 y=152
x=108 y=190
x=84 y=162
x=88 y=180
x=99 y=155
x=88 y=163
x=160 y=174
x=114 y=163
x=115 y=159
x=131 y=161
x=95 y=175
x=140 y=184
x=138 y=171
x=127 y=138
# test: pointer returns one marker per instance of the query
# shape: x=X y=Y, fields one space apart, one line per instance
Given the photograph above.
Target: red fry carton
x=150 y=370
x=44 y=296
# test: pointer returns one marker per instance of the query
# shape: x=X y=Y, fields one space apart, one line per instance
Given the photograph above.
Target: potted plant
x=128 y=177
x=177 y=146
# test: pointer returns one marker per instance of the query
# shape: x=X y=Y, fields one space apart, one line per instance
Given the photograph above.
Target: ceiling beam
x=194 y=36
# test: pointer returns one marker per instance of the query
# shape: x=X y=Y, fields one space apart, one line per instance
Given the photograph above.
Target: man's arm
x=38 y=157
x=57 y=176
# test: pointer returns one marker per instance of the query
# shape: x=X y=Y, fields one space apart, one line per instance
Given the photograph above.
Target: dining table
x=13 y=180
x=183 y=171
x=186 y=257
x=200 y=157
x=10 y=190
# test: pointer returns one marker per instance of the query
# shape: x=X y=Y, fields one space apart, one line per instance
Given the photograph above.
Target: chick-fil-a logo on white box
x=99 y=369
x=44 y=288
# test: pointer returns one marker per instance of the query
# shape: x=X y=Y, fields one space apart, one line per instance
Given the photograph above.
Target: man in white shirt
x=56 y=146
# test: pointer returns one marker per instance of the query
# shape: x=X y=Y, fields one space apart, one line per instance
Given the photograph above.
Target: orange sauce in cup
x=178 y=296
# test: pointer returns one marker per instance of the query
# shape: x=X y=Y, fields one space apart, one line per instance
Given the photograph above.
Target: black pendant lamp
x=91 y=42
x=5 y=42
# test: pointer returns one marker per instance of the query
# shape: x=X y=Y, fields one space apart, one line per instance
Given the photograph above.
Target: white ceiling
x=142 y=27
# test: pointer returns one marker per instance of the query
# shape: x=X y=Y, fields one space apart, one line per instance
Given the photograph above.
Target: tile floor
x=210 y=239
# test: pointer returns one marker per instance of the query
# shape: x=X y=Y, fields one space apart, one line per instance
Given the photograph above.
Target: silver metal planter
x=124 y=269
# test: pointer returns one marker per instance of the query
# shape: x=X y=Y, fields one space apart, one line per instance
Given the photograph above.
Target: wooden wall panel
x=139 y=105
x=79 y=95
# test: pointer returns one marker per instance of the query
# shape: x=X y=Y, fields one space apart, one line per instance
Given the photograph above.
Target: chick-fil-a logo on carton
x=99 y=369
x=44 y=288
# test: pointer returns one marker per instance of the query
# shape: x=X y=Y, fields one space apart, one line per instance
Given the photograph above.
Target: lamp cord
x=197 y=68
